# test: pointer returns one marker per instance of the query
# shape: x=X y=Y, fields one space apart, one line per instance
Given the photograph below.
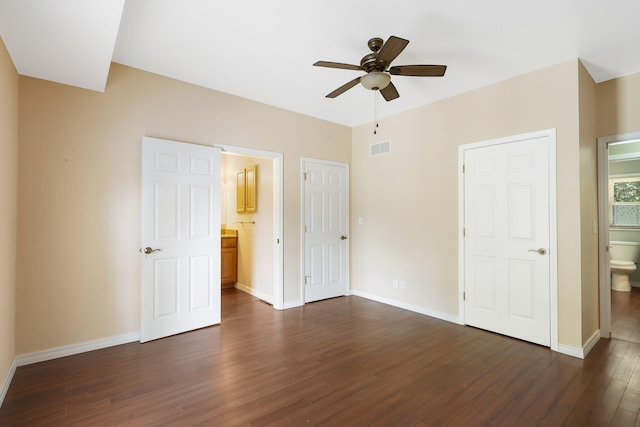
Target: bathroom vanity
x=228 y=259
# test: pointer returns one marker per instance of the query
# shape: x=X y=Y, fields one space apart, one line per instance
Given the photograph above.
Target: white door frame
x=303 y=160
x=553 y=238
x=278 y=209
x=603 y=224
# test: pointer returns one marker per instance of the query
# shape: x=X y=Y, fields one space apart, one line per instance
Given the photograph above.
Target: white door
x=326 y=216
x=507 y=239
x=181 y=225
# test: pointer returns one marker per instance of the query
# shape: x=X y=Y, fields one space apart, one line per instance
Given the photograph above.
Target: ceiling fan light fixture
x=375 y=80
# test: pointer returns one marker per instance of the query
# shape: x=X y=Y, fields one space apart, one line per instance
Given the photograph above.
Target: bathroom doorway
x=259 y=245
x=619 y=220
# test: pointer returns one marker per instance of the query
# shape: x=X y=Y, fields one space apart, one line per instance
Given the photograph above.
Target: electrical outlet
x=395 y=283
x=401 y=284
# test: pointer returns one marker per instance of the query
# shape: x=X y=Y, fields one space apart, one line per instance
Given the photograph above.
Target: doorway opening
x=619 y=221
x=258 y=230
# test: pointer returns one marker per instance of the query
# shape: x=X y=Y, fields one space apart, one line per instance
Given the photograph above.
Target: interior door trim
x=550 y=134
x=603 y=225
x=278 y=221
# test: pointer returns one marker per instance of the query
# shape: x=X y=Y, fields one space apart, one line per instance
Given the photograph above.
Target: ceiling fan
x=376 y=65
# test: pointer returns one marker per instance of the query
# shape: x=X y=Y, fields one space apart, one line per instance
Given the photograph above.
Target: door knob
x=149 y=250
x=343 y=237
x=541 y=251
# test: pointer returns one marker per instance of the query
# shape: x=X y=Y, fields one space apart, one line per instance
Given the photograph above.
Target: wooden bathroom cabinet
x=246 y=189
x=229 y=261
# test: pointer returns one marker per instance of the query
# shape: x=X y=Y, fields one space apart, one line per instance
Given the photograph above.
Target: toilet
x=623 y=258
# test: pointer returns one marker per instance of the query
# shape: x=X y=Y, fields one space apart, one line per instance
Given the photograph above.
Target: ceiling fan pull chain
x=375 y=103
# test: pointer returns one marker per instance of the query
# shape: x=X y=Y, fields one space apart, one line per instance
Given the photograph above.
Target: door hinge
x=464 y=232
x=462 y=168
x=464 y=296
x=305 y=175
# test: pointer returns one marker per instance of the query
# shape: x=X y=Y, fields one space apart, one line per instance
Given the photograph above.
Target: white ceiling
x=264 y=50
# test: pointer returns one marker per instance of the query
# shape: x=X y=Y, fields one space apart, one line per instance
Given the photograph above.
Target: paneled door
x=180 y=242
x=326 y=216
x=507 y=239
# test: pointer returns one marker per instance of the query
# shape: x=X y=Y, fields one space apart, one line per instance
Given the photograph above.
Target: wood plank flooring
x=341 y=362
x=625 y=315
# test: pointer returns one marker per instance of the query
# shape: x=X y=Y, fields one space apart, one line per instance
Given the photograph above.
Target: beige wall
x=255 y=241
x=618 y=112
x=408 y=199
x=8 y=208
x=79 y=191
x=618 y=107
x=588 y=204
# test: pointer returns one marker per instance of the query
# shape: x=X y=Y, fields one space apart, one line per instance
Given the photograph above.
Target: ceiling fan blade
x=338 y=65
x=345 y=87
x=390 y=92
x=418 y=70
x=390 y=50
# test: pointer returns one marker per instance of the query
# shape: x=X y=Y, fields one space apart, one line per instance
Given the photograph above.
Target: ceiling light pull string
x=375 y=109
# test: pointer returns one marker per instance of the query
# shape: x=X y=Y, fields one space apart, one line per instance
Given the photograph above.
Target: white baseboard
x=591 y=342
x=7 y=380
x=54 y=353
x=564 y=349
x=255 y=293
x=410 y=307
x=292 y=304
x=267 y=298
x=578 y=352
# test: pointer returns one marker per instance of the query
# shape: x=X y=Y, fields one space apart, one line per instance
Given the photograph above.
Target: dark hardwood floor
x=625 y=315
x=341 y=362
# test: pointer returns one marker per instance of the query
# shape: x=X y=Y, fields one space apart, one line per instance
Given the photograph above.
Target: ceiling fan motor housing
x=375 y=44
x=369 y=62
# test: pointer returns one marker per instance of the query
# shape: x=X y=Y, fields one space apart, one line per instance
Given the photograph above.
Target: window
x=624 y=201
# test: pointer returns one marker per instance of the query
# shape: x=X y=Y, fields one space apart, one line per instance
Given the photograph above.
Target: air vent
x=380 y=148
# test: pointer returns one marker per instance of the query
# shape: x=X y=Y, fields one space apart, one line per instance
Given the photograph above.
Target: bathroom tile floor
x=625 y=315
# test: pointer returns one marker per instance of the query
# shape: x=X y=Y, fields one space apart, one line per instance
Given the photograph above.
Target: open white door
x=180 y=238
x=507 y=244
x=326 y=227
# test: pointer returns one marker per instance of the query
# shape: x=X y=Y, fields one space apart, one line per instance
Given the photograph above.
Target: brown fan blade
x=418 y=70
x=390 y=50
x=338 y=65
x=345 y=87
x=390 y=92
